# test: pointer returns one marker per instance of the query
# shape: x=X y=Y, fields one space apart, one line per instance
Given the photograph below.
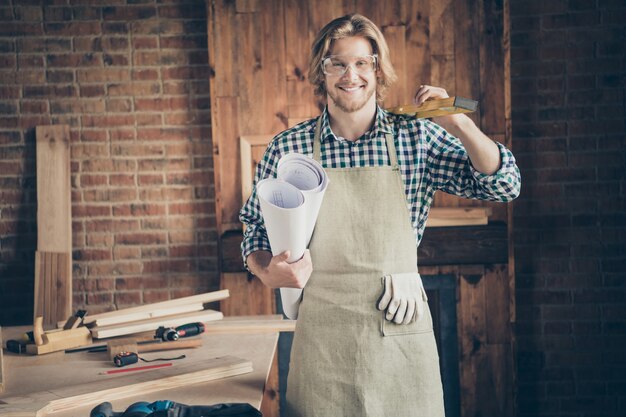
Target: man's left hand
x=429 y=92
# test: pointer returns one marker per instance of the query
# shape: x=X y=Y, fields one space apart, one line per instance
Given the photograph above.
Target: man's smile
x=350 y=88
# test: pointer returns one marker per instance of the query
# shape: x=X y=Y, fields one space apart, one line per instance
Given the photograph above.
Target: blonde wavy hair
x=344 y=27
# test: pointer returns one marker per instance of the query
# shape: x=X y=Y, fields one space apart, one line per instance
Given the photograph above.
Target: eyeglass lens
x=339 y=65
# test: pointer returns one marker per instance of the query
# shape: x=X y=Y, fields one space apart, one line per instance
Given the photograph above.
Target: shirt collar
x=382 y=125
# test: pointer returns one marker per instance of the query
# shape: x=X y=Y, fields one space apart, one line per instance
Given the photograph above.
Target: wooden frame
x=250 y=146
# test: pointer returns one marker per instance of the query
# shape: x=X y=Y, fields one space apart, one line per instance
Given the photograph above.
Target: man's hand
x=428 y=92
x=275 y=272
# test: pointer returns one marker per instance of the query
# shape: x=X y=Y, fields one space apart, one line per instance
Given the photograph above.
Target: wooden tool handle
x=179 y=344
x=437 y=107
x=38 y=331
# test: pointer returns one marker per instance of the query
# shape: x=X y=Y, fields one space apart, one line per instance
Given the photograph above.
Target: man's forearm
x=482 y=151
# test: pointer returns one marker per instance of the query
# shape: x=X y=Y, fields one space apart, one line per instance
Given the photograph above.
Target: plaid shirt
x=430 y=159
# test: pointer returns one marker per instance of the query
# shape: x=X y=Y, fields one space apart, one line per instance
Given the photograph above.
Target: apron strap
x=391 y=147
x=391 y=150
x=317 y=141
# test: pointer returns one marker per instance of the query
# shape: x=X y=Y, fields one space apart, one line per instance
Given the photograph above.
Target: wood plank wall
x=258 y=54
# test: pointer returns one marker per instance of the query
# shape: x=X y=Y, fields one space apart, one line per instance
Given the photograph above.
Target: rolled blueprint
x=284 y=214
x=291 y=226
x=308 y=176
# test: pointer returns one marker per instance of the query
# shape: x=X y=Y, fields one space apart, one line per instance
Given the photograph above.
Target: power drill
x=167 y=408
x=186 y=330
x=139 y=409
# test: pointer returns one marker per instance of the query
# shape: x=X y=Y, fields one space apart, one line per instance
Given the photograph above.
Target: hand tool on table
x=76 y=320
x=437 y=107
x=117 y=346
x=56 y=340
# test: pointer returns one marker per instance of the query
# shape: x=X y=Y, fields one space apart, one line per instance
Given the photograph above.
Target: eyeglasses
x=339 y=64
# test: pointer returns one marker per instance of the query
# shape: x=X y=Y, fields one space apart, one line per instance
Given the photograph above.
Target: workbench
x=35 y=377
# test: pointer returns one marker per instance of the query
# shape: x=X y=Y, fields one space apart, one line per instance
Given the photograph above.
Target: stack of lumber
x=150 y=317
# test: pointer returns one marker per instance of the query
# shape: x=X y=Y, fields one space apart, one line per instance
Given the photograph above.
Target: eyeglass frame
x=374 y=66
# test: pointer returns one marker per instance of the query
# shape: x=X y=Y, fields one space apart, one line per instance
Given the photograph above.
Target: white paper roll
x=284 y=214
x=290 y=205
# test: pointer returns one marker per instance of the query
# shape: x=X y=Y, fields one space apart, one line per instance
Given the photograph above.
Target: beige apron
x=346 y=359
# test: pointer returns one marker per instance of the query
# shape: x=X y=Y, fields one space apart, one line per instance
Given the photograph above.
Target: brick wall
x=132 y=82
x=568 y=83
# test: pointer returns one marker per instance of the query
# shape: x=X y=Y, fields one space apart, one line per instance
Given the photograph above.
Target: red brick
x=72 y=29
x=134 y=89
x=122 y=179
x=150 y=179
x=155 y=296
x=103 y=75
x=87 y=180
x=145 y=42
x=130 y=13
x=114 y=268
x=108 y=120
x=163 y=134
x=92 y=90
x=122 y=134
x=99 y=299
x=127 y=298
x=119 y=105
x=140 y=238
x=125 y=252
x=88 y=211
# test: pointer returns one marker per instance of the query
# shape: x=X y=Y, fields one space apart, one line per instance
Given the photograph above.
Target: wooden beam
x=54 y=219
x=438 y=107
x=458 y=216
x=250 y=324
x=146 y=315
x=118 y=387
x=101 y=332
x=154 y=308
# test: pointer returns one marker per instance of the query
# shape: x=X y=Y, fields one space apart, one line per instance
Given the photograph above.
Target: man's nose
x=350 y=72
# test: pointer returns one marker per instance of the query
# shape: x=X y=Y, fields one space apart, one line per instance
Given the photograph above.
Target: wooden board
x=250 y=324
x=54 y=217
x=101 y=332
x=146 y=315
x=124 y=385
x=485 y=338
x=52 y=273
x=154 y=308
x=457 y=216
x=250 y=295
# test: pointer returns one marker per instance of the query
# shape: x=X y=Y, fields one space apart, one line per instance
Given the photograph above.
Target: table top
x=28 y=378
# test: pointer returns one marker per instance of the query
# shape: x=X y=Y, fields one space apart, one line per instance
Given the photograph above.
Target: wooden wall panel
x=300 y=100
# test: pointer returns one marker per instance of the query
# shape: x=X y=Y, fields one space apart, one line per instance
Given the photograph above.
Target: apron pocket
x=422 y=325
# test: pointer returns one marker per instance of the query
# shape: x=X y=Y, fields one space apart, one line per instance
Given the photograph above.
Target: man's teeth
x=350 y=88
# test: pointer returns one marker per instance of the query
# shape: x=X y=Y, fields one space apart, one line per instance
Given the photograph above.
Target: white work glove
x=403 y=297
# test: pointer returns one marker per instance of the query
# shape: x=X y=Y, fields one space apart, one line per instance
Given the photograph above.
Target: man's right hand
x=275 y=272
